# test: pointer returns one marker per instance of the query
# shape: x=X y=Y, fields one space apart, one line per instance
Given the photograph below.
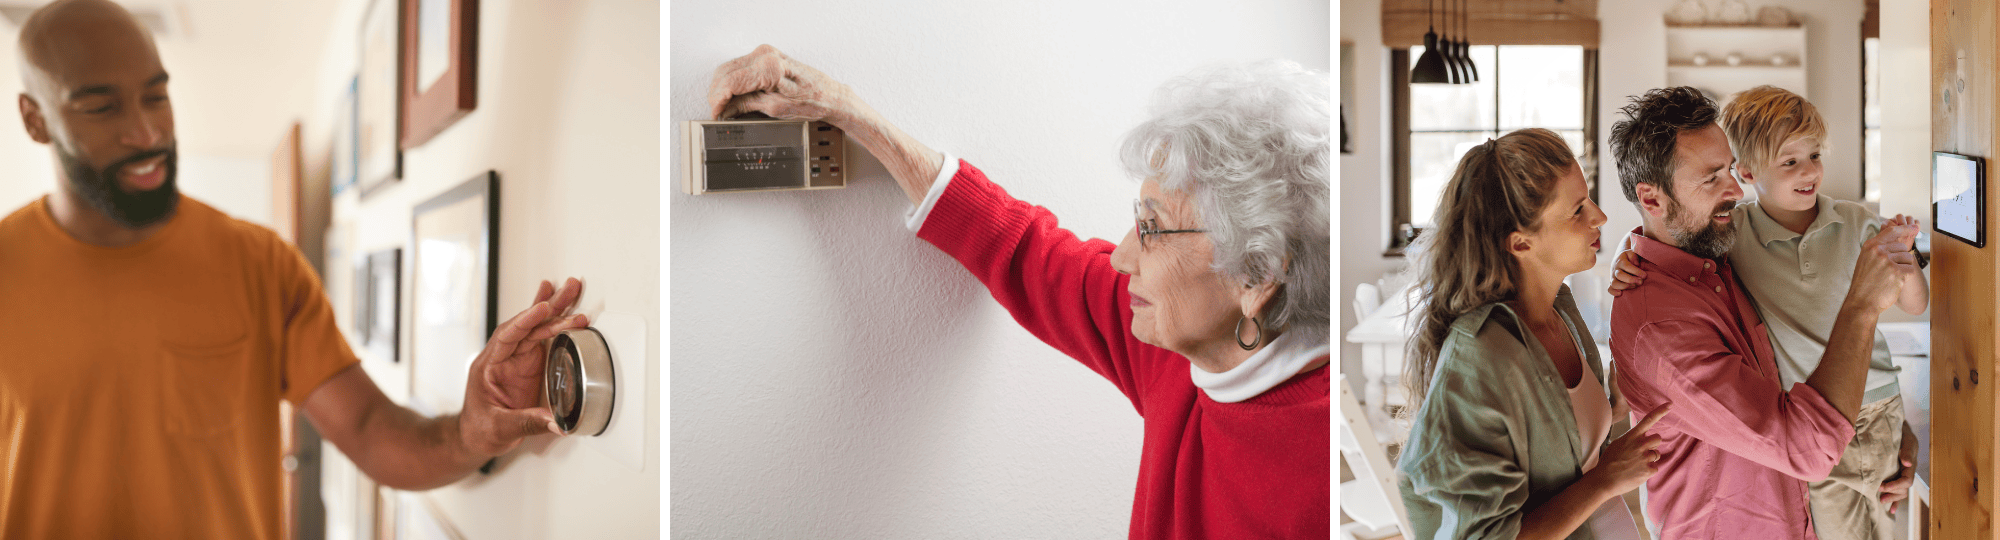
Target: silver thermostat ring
x=597 y=389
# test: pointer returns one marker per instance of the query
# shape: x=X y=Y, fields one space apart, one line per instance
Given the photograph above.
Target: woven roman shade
x=1494 y=22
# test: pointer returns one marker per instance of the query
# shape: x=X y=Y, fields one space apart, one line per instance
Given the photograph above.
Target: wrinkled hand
x=1898 y=487
x=1632 y=458
x=1625 y=273
x=1879 y=271
x=503 y=391
x=769 y=82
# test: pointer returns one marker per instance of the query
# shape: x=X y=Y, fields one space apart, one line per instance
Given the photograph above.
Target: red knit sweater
x=1253 y=469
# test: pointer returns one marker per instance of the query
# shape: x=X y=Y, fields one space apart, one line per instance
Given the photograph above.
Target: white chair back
x=1367 y=297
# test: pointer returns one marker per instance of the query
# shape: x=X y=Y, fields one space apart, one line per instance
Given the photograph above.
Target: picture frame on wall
x=440 y=66
x=378 y=304
x=455 y=240
x=345 y=164
x=378 y=98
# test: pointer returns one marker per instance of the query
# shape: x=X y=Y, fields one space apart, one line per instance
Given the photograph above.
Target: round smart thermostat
x=578 y=382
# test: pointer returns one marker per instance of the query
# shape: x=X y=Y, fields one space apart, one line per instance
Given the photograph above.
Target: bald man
x=149 y=337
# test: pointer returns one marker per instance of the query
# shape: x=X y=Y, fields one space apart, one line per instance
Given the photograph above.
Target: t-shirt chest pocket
x=207 y=386
x=207 y=374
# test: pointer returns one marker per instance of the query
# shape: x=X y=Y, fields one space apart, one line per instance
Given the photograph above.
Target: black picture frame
x=378 y=304
x=455 y=274
x=1977 y=190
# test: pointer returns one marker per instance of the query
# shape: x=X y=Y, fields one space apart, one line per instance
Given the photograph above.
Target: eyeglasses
x=1147 y=227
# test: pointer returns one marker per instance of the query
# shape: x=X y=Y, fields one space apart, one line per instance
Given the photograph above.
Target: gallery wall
x=836 y=377
x=567 y=117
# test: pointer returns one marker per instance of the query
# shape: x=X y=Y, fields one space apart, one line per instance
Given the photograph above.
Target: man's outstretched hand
x=503 y=391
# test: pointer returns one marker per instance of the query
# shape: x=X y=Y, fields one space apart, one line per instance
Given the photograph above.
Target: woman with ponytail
x=1510 y=438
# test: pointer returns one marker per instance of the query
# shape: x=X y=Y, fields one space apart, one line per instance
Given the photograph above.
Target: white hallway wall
x=568 y=115
x=1632 y=60
x=834 y=376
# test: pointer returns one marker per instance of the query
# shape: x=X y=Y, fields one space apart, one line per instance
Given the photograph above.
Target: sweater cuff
x=916 y=217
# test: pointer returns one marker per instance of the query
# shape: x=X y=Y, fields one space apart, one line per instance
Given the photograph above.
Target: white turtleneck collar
x=1277 y=362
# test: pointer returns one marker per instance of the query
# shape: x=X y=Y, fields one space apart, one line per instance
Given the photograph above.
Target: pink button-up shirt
x=1738 y=447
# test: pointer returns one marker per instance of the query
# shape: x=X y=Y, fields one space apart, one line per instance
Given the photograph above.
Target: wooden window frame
x=1399 y=143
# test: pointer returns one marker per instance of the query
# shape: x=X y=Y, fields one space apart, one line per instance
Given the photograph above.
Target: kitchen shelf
x=1756 y=45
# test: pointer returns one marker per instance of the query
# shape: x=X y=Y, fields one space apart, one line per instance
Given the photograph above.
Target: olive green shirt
x=1496 y=435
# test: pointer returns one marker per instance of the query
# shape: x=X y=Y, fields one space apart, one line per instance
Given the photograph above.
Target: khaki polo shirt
x=1799 y=280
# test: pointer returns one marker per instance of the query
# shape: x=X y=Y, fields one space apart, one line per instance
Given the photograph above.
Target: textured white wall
x=568 y=115
x=834 y=376
x=1631 y=60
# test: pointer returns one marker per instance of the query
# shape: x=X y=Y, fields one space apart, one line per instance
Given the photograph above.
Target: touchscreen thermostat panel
x=1958 y=197
x=764 y=155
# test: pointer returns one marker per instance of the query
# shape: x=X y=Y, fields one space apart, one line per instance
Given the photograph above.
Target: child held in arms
x=1795 y=252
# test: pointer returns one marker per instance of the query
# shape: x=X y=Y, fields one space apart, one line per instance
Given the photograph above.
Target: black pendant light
x=1465 y=44
x=1430 y=66
x=1455 y=65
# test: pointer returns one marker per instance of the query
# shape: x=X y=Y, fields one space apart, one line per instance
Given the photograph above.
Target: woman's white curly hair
x=1250 y=143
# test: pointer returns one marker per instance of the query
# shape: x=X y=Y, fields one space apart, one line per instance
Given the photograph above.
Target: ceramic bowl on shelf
x=1781 y=60
x=1699 y=59
x=1734 y=59
x=1687 y=13
x=1774 y=16
x=1733 y=12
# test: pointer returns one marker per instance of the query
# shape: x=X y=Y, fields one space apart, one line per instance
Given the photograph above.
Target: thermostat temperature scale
x=764 y=155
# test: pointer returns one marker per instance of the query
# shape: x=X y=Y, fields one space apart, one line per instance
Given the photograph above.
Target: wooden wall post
x=1964 y=103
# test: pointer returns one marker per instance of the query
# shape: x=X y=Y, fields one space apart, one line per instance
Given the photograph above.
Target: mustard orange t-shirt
x=139 y=385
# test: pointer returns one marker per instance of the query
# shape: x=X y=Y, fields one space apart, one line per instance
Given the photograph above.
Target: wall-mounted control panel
x=764 y=155
x=579 y=383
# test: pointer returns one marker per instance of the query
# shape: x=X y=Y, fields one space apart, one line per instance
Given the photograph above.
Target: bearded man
x=1737 y=447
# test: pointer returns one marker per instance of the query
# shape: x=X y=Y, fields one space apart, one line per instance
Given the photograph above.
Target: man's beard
x=100 y=188
x=1699 y=235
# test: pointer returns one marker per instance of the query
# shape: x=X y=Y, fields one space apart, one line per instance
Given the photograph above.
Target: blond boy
x=1794 y=252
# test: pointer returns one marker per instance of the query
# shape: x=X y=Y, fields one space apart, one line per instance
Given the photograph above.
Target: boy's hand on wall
x=1902 y=221
x=1879 y=271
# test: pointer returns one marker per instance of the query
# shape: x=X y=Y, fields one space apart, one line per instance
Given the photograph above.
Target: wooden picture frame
x=440 y=66
x=454 y=269
x=379 y=97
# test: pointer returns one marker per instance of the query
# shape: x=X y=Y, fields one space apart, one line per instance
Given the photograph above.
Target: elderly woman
x=1211 y=316
x=1510 y=439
